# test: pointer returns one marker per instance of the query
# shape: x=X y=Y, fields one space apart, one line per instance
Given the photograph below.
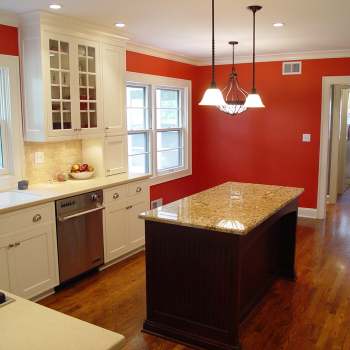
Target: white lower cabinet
x=116 y=235
x=124 y=230
x=136 y=227
x=28 y=256
x=4 y=269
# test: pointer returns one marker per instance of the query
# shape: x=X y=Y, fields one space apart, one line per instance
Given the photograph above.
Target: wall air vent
x=291 y=68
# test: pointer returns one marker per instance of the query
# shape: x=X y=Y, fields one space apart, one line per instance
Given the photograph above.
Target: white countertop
x=25 y=325
x=47 y=192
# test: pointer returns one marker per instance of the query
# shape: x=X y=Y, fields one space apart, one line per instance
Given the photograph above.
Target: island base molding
x=184 y=338
x=201 y=284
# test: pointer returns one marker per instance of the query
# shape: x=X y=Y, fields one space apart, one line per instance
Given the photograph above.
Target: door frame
x=326 y=114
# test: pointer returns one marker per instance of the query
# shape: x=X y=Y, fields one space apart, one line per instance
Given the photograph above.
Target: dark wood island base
x=202 y=283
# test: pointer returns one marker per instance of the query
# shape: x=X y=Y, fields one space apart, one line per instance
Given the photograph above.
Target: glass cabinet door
x=60 y=85
x=87 y=86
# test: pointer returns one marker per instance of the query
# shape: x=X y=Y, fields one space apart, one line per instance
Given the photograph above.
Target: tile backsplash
x=58 y=157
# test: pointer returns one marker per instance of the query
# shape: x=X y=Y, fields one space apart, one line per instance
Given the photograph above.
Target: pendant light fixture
x=254 y=100
x=234 y=95
x=213 y=95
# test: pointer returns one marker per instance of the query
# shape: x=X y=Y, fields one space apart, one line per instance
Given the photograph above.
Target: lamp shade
x=254 y=101
x=212 y=97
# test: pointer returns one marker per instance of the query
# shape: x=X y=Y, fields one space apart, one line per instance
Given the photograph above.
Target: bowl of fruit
x=82 y=171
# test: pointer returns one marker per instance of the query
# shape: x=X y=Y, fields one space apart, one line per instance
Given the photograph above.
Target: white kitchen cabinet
x=32 y=267
x=4 y=268
x=124 y=231
x=108 y=154
x=28 y=251
x=116 y=228
x=136 y=228
x=113 y=80
x=73 y=79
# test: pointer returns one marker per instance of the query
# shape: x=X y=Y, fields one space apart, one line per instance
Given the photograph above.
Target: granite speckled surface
x=231 y=207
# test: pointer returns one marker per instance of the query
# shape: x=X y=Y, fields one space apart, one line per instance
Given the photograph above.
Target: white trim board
x=309 y=213
x=327 y=83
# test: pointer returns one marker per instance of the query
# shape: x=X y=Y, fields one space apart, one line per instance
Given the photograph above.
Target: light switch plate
x=157 y=203
x=39 y=157
x=306 y=137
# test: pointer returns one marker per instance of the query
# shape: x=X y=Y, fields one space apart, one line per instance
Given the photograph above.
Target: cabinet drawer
x=138 y=189
x=115 y=194
x=26 y=218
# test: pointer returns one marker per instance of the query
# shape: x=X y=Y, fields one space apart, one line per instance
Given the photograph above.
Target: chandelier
x=234 y=95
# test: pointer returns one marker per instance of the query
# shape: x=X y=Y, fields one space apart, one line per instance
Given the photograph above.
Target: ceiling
x=183 y=26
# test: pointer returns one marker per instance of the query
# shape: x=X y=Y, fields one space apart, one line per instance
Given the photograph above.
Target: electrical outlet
x=39 y=157
x=157 y=203
x=306 y=137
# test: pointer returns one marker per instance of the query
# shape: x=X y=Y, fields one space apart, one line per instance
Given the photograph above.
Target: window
x=11 y=142
x=158 y=120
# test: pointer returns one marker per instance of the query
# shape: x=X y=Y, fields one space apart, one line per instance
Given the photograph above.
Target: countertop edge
x=216 y=229
x=54 y=197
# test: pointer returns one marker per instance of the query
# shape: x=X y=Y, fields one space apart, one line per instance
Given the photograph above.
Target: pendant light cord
x=254 y=89
x=213 y=82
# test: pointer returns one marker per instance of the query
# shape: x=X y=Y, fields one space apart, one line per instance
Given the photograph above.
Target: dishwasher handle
x=68 y=217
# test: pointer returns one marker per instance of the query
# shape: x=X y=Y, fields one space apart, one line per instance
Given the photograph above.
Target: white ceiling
x=183 y=26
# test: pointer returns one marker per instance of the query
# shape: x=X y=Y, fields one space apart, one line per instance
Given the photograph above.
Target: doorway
x=339 y=144
x=324 y=154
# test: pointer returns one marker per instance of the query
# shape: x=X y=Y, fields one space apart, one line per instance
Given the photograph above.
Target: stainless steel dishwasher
x=79 y=234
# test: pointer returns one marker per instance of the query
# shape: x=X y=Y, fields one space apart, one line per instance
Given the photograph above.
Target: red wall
x=8 y=40
x=262 y=146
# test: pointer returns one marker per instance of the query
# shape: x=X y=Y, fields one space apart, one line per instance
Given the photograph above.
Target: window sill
x=156 y=180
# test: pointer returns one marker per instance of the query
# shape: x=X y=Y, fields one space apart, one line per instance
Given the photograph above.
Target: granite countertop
x=27 y=325
x=232 y=207
x=47 y=192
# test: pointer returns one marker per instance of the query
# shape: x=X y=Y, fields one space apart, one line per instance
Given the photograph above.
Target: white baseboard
x=310 y=213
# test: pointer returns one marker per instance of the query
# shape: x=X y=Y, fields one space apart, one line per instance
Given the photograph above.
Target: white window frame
x=153 y=82
x=11 y=125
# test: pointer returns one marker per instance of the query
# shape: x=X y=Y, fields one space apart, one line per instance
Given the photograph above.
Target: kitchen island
x=210 y=258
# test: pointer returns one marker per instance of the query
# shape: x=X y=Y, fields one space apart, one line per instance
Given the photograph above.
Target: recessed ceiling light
x=55 y=7
x=120 y=24
x=278 y=24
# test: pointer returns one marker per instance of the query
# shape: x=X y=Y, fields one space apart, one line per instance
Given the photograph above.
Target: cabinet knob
x=138 y=189
x=17 y=244
x=129 y=207
x=36 y=218
x=116 y=196
x=107 y=128
x=11 y=246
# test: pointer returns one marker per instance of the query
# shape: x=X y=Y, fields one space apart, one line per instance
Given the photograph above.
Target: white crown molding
x=288 y=56
x=9 y=19
x=69 y=24
x=156 y=52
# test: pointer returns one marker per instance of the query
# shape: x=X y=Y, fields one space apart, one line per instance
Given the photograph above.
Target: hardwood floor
x=313 y=313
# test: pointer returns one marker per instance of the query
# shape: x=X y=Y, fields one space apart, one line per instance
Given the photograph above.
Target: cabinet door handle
x=129 y=207
x=11 y=246
x=107 y=128
x=36 y=218
x=138 y=189
x=17 y=244
x=116 y=196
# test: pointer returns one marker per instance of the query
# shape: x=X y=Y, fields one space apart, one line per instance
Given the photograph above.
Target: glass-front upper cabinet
x=60 y=85
x=88 y=109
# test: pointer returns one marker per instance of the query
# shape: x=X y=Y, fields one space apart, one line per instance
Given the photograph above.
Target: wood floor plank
x=312 y=313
